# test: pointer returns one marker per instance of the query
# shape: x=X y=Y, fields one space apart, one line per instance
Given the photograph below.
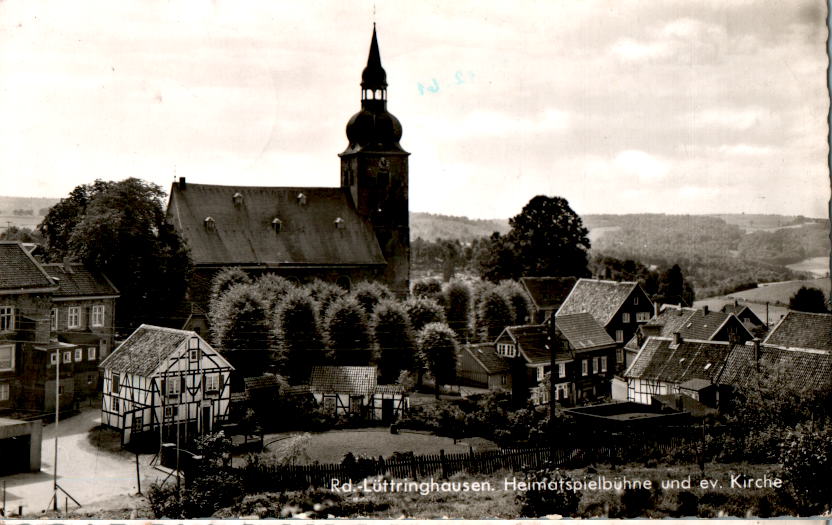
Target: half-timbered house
x=160 y=381
x=353 y=390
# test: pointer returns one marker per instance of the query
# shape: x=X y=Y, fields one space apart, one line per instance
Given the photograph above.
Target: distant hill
x=23 y=212
x=431 y=226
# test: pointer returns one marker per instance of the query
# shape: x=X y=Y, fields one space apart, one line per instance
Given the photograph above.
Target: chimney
x=655 y=309
x=181 y=183
x=705 y=309
x=677 y=338
x=756 y=344
x=639 y=337
x=736 y=302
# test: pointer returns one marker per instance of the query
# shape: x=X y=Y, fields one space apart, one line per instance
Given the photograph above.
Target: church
x=355 y=232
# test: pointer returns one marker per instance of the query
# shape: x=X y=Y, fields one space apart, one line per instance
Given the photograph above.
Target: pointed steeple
x=374 y=76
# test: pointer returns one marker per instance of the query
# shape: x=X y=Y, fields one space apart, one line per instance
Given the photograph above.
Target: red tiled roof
x=19 y=271
x=583 y=331
x=601 y=299
x=79 y=281
x=547 y=293
x=244 y=234
x=802 y=330
x=353 y=380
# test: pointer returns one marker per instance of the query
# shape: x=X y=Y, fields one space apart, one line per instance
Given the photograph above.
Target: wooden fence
x=410 y=466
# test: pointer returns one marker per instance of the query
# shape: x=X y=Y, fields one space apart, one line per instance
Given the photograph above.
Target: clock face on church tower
x=383 y=163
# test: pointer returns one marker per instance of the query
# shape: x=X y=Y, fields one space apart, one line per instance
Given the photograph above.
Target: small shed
x=20 y=444
x=346 y=390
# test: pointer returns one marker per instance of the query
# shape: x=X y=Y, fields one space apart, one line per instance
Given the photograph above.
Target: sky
x=620 y=107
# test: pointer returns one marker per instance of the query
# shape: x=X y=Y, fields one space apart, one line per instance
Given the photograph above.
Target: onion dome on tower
x=373 y=128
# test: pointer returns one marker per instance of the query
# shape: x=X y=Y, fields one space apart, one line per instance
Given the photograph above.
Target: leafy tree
x=369 y=294
x=119 y=229
x=519 y=301
x=807 y=462
x=457 y=303
x=222 y=281
x=395 y=345
x=13 y=233
x=240 y=328
x=427 y=288
x=298 y=333
x=348 y=333
x=423 y=311
x=324 y=294
x=549 y=239
x=808 y=299
x=273 y=289
x=438 y=346
x=497 y=258
x=673 y=288
x=493 y=315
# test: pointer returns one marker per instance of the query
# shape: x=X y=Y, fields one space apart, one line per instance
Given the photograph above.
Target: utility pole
x=57 y=413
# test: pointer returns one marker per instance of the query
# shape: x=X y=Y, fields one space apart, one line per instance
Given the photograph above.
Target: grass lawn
x=330 y=447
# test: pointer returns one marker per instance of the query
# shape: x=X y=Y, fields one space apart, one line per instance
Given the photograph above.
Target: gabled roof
x=79 y=281
x=743 y=310
x=20 y=272
x=547 y=293
x=691 y=323
x=531 y=342
x=661 y=360
x=352 y=380
x=244 y=233
x=804 y=370
x=601 y=299
x=802 y=330
x=148 y=347
x=487 y=357
x=583 y=331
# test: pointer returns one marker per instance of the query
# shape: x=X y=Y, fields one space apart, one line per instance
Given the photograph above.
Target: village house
x=750 y=320
x=355 y=232
x=354 y=391
x=619 y=307
x=479 y=365
x=83 y=315
x=802 y=331
x=585 y=359
x=525 y=349
x=691 y=323
x=162 y=380
x=546 y=294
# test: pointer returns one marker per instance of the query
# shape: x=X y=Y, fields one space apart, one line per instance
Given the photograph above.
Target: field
x=330 y=447
x=779 y=293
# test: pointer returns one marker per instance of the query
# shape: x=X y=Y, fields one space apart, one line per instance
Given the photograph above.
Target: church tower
x=374 y=172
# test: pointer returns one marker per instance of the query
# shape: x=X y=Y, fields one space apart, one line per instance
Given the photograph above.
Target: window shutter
x=163 y=387
x=182 y=385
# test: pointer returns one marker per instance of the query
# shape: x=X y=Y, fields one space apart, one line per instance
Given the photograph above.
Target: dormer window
x=277 y=225
x=238 y=199
x=301 y=199
x=210 y=224
x=339 y=223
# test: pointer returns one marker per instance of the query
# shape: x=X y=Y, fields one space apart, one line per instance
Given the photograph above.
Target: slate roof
x=265 y=381
x=660 y=360
x=79 y=281
x=602 y=299
x=802 y=330
x=531 y=342
x=487 y=356
x=145 y=349
x=352 y=380
x=244 y=234
x=547 y=293
x=19 y=270
x=691 y=323
x=743 y=310
x=810 y=370
x=583 y=331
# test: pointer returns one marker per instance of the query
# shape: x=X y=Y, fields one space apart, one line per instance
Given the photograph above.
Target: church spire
x=374 y=78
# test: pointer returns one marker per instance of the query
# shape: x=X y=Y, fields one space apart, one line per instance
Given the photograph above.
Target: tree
x=427 y=288
x=457 y=302
x=347 y=332
x=13 y=233
x=298 y=334
x=497 y=258
x=550 y=239
x=438 y=348
x=807 y=461
x=225 y=279
x=422 y=311
x=808 y=299
x=673 y=288
x=324 y=294
x=493 y=315
x=119 y=229
x=240 y=326
x=369 y=294
x=273 y=289
x=519 y=301
x=395 y=345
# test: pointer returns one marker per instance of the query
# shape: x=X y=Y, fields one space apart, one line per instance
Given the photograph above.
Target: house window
x=53 y=358
x=503 y=379
x=193 y=355
x=67 y=357
x=172 y=387
x=116 y=383
x=138 y=423
x=619 y=336
x=212 y=383
x=116 y=407
x=73 y=317
x=90 y=379
x=540 y=373
x=355 y=404
x=171 y=411
x=79 y=354
x=594 y=365
x=4 y=391
x=561 y=369
x=584 y=367
x=98 y=315
x=603 y=363
x=329 y=404
x=619 y=355
x=635 y=300
x=6 y=318
x=6 y=358
x=642 y=316
x=625 y=317
x=91 y=353
x=53 y=319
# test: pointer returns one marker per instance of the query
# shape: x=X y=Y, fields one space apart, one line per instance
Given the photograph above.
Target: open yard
x=330 y=447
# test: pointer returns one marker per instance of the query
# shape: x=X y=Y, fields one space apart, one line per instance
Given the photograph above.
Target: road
x=87 y=473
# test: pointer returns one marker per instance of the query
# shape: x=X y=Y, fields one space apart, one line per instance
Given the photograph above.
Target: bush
x=544 y=502
x=204 y=495
x=807 y=462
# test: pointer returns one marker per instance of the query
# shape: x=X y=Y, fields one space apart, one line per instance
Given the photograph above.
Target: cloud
x=641 y=165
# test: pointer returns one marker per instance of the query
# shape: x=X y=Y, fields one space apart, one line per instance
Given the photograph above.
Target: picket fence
x=413 y=467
